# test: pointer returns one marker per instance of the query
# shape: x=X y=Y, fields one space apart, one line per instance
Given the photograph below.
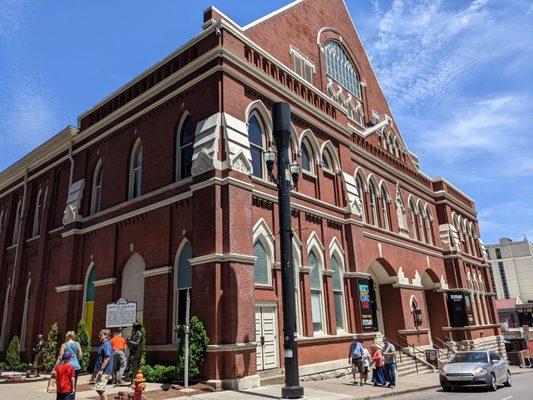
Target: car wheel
x=447 y=388
x=509 y=381
x=493 y=384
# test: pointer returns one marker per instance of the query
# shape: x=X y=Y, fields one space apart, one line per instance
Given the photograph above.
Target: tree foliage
x=13 y=354
x=198 y=341
x=82 y=335
x=51 y=348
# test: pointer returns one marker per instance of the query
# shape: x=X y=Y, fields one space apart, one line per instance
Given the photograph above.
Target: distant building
x=512 y=269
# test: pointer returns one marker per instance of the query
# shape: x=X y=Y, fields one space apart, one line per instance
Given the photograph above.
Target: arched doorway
x=133 y=283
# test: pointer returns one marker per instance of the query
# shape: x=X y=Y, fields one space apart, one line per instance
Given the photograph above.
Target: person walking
x=378 y=377
x=65 y=377
x=355 y=358
x=389 y=368
x=119 y=345
x=74 y=348
x=366 y=365
x=104 y=364
x=135 y=348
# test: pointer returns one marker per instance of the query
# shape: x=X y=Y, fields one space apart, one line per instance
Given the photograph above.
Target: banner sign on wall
x=365 y=305
x=120 y=314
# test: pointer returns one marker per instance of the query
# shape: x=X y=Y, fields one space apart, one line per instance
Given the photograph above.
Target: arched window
x=256 y=136
x=88 y=298
x=261 y=265
x=429 y=227
x=385 y=208
x=359 y=116
x=185 y=148
x=316 y=293
x=16 y=229
x=97 y=189
x=182 y=282
x=133 y=283
x=297 y=263
x=341 y=69
x=136 y=170
x=414 y=222
x=327 y=160
x=307 y=157
x=338 y=293
x=361 y=192
x=37 y=218
x=422 y=229
x=3 y=327
x=372 y=194
x=2 y=216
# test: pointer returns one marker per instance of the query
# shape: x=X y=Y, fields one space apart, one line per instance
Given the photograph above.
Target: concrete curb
x=399 y=392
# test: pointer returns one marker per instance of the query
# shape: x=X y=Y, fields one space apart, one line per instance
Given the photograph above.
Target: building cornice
x=68 y=288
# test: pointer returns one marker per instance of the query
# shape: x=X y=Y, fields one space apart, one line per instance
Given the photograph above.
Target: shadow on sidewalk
x=254 y=394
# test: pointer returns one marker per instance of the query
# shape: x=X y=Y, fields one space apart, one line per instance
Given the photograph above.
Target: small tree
x=143 y=347
x=51 y=348
x=198 y=341
x=82 y=335
x=13 y=353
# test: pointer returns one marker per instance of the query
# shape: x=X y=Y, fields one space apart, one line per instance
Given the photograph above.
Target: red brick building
x=163 y=186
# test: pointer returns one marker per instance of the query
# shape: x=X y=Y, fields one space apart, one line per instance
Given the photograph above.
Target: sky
x=456 y=73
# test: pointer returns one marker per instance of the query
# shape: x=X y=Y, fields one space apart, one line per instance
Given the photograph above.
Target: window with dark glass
x=256 y=137
x=306 y=160
x=185 y=150
x=261 y=265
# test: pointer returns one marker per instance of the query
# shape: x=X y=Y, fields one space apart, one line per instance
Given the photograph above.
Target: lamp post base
x=292 y=392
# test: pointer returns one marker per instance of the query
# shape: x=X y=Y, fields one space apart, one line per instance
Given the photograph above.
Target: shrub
x=22 y=367
x=160 y=373
x=143 y=347
x=198 y=341
x=13 y=353
x=82 y=335
x=51 y=348
x=4 y=366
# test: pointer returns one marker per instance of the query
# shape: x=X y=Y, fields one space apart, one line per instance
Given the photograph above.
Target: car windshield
x=470 y=358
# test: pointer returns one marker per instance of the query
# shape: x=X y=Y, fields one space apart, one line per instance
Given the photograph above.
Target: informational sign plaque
x=120 y=314
x=365 y=304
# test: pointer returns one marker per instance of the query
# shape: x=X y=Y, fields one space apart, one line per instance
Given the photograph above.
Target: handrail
x=414 y=353
x=442 y=345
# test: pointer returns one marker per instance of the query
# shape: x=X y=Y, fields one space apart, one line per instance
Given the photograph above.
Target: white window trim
x=179 y=147
x=315 y=246
x=335 y=251
x=18 y=220
x=262 y=233
x=264 y=142
x=37 y=217
x=175 y=296
x=306 y=61
x=97 y=171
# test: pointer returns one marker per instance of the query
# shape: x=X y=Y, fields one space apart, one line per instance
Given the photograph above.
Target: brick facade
x=222 y=77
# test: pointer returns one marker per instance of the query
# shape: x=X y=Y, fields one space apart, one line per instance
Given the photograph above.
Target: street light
x=281 y=116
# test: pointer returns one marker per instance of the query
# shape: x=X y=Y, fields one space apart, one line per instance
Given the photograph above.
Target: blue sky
x=457 y=75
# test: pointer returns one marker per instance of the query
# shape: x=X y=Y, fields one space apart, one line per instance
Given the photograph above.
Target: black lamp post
x=281 y=115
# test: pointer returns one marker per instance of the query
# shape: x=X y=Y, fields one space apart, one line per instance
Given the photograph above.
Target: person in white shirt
x=366 y=366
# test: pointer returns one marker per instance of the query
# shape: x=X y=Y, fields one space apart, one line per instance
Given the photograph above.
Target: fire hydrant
x=138 y=386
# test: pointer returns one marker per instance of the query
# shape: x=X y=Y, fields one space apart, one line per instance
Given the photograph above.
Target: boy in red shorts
x=65 y=376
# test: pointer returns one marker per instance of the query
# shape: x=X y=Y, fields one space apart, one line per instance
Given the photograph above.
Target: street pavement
x=420 y=387
x=521 y=390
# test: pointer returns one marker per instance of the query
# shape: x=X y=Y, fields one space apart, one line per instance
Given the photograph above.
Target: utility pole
x=281 y=115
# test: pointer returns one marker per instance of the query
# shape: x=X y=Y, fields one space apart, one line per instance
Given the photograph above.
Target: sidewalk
x=341 y=389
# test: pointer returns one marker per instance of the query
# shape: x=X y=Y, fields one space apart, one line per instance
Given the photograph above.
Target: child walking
x=65 y=377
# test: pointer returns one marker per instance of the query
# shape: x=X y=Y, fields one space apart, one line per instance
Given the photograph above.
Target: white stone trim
x=105 y=282
x=215 y=348
x=69 y=287
x=220 y=258
x=158 y=271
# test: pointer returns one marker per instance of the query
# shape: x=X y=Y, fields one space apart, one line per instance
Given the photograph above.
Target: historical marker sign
x=120 y=314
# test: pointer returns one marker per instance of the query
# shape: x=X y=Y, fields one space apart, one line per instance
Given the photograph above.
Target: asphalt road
x=522 y=389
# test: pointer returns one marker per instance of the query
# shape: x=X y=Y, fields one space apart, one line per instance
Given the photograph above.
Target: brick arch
x=383 y=271
x=430 y=280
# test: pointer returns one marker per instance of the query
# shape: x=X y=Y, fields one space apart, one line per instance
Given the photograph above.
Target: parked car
x=475 y=369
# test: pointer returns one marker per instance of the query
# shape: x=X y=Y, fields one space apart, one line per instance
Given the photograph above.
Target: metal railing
x=417 y=353
x=443 y=346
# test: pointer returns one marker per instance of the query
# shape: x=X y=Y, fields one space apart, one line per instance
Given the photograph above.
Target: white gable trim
x=278 y=11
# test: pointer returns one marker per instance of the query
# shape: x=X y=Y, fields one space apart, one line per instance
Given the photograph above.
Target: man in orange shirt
x=119 y=356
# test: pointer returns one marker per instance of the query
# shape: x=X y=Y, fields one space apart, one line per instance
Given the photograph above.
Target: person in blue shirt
x=103 y=369
x=355 y=358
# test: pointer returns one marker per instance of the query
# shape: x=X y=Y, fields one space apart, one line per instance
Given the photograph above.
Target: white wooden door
x=267 y=338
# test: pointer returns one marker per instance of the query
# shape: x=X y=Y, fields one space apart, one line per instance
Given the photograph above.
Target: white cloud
x=421 y=48
x=30 y=116
x=12 y=14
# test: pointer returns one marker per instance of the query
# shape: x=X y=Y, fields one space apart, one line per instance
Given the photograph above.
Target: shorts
x=357 y=365
x=101 y=383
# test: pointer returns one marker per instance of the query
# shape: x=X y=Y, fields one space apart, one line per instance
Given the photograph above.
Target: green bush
x=51 y=348
x=13 y=353
x=143 y=347
x=82 y=335
x=198 y=341
x=160 y=373
x=22 y=367
x=4 y=366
